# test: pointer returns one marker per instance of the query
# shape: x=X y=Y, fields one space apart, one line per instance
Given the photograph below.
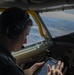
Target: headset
x=15 y=29
x=13 y=20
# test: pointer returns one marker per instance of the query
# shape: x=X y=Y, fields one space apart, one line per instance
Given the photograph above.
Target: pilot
x=15 y=25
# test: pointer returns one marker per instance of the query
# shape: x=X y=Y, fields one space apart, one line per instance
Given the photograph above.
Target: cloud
x=59 y=14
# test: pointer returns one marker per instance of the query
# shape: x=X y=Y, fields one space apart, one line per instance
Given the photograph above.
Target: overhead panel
x=13 y=3
x=38 y=1
x=47 y=3
x=71 y=1
x=2 y=1
x=25 y=1
x=37 y=4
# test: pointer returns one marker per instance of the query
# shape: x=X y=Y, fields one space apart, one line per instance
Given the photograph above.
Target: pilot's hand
x=33 y=68
x=55 y=70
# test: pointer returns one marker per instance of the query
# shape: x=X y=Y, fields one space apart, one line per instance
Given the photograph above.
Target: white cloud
x=59 y=14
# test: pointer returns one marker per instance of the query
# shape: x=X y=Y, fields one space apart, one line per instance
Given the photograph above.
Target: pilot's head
x=15 y=25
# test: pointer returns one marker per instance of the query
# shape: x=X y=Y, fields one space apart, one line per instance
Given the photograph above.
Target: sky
x=67 y=14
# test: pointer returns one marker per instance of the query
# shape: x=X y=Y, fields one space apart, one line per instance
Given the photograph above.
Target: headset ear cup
x=13 y=31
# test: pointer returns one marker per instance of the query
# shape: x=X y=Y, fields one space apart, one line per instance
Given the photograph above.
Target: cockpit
x=52 y=33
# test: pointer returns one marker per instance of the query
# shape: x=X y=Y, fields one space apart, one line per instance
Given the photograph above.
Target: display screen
x=43 y=69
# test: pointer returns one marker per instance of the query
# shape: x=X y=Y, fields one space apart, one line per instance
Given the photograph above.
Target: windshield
x=60 y=22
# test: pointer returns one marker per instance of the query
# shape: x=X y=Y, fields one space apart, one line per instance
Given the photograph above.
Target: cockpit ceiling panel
x=71 y=1
x=37 y=4
x=1 y=1
x=38 y=1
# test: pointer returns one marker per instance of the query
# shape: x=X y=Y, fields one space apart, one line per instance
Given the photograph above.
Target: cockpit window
x=59 y=23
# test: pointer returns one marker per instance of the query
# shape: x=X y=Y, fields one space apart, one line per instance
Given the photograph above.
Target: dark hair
x=12 y=15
